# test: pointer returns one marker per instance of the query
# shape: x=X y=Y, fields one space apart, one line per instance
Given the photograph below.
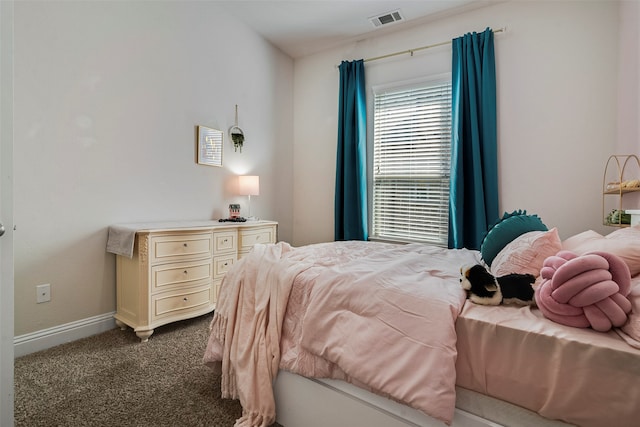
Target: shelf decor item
x=634 y=216
x=209 y=146
x=237 y=135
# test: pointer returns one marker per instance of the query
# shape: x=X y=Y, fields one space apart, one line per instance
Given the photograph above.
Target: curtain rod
x=411 y=51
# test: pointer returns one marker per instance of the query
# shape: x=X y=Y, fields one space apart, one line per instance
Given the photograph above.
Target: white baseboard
x=51 y=337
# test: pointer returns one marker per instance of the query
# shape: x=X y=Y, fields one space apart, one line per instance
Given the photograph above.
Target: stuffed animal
x=485 y=289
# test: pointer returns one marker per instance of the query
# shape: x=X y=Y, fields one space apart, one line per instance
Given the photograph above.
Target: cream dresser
x=175 y=269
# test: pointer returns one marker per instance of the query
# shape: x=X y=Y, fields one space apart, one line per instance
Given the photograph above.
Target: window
x=411 y=162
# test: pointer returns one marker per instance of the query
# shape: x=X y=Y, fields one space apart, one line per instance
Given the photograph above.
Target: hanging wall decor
x=209 y=146
x=237 y=135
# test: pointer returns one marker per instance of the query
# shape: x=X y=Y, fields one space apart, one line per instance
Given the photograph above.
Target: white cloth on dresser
x=122 y=237
x=121 y=240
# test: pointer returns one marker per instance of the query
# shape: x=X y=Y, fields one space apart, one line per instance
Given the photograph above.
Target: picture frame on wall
x=210 y=146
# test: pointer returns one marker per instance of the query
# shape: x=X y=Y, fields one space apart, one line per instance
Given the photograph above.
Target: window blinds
x=411 y=159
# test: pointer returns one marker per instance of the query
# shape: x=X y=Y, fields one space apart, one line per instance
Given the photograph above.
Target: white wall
x=107 y=99
x=628 y=141
x=629 y=78
x=557 y=71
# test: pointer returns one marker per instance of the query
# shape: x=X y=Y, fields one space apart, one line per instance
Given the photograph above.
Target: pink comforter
x=379 y=315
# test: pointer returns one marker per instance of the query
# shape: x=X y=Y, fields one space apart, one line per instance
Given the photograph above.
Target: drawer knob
x=184 y=244
x=185 y=299
x=185 y=272
x=226 y=263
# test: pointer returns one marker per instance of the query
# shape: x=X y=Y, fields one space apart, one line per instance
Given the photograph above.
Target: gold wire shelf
x=619 y=186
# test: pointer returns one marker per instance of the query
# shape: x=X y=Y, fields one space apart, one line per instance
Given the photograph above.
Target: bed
x=379 y=334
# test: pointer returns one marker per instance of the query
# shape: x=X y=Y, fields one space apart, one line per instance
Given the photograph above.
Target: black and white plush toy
x=485 y=289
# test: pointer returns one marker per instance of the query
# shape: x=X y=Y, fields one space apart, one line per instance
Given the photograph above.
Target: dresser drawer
x=169 y=304
x=225 y=241
x=222 y=264
x=183 y=245
x=180 y=274
x=250 y=237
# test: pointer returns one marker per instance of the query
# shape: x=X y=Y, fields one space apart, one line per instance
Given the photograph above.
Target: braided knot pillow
x=584 y=291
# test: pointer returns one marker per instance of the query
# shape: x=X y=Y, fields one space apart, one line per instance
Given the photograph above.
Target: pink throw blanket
x=585 y=291
x=246 y=329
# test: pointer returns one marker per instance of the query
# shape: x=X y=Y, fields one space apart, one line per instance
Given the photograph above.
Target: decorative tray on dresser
x=172 y=271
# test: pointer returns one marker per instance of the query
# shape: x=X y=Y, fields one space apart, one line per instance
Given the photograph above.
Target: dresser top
x=187 y=225
x=121 y=236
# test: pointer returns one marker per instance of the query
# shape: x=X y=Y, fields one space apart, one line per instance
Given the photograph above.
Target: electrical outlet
x=43 y=293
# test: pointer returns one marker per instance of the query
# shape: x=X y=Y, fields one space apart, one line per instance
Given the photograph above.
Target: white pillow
x=526 y=253
x=624 y=242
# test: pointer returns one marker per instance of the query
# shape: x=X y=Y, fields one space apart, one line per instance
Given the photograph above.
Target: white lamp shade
x=249 y=185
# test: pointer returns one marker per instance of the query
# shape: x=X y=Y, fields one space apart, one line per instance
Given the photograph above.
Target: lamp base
x=249 y=216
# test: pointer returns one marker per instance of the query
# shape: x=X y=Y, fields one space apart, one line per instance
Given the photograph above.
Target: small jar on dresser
x=175 y=269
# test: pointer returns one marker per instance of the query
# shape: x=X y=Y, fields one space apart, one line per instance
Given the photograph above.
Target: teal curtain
x=473 y=198
x=351 y=173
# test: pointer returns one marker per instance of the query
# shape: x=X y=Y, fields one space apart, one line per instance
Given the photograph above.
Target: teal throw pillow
x=510 y=226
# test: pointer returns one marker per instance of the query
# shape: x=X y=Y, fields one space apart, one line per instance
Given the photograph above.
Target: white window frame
x=421 y=212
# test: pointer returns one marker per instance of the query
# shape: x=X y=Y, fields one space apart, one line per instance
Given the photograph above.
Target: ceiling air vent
x=386 y=18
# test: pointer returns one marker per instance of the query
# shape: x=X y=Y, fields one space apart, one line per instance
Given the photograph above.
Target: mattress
x=304 y=401
x=580 y=376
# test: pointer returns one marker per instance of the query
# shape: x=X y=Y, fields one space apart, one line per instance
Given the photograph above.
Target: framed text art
x=209 y=146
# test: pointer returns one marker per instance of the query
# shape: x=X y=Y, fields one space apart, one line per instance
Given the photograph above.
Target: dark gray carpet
x=112 y=379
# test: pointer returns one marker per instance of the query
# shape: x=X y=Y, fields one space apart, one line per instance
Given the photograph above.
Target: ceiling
x=303 y=27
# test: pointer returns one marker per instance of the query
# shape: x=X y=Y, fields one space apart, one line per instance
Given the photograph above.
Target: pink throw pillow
x=588 y=237
x=624 y=242
x=526 y=253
